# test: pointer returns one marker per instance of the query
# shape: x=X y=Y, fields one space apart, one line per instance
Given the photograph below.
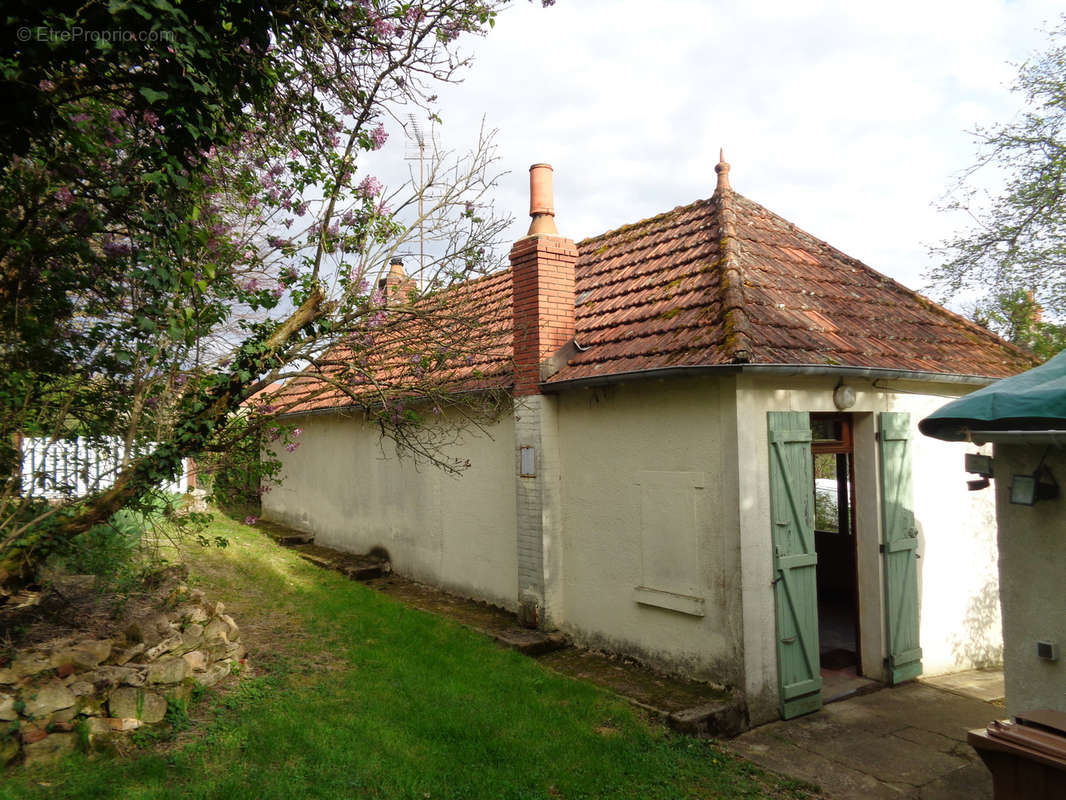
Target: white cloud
x=846 y=118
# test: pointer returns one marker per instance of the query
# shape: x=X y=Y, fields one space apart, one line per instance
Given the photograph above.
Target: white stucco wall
x=1032 y=568
x=660 y=534
x=649 y=520
x=957 y=569
x=349 y=488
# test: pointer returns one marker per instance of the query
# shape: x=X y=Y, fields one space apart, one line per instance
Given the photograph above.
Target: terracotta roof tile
x=467 y=326
x=653 y=295
x=657 y=301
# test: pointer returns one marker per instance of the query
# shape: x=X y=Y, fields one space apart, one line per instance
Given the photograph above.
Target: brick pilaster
x=543 y=285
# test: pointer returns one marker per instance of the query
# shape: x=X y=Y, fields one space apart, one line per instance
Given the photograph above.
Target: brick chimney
x=396 y=285
x=542 y=274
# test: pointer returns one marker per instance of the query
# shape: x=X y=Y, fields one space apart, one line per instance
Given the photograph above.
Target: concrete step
x=722 y=718
x=287 y=537
x=294 y=538
x=366 y=572
x=530 y=642
x=357 y=567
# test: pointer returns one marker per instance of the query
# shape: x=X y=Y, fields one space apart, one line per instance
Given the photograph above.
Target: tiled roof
x=652 y=296
x=458 y=339
x=721 y=281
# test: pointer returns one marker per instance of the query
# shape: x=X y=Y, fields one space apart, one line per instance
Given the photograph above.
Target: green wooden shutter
x=795 y=562
x=904 y=659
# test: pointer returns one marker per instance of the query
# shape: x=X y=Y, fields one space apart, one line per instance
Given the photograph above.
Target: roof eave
x=354 y=408
x=785 y=370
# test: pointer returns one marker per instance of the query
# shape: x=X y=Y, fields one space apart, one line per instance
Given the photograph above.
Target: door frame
x=869 y=563
x=869 y=536
x=845 y=445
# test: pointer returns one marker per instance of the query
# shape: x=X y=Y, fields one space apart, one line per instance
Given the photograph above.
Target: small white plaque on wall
x=528 y=466
x=682 y=603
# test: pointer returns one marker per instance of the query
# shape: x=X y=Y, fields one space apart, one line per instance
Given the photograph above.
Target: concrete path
x=904 y=742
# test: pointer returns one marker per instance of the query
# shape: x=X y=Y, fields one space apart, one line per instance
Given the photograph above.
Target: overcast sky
x=846 y=118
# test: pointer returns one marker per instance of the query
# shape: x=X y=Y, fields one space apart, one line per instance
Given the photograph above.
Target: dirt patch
x=274 y=637
x=634 y=680
x=472 y=613
x=355 y=566
x=74 y=604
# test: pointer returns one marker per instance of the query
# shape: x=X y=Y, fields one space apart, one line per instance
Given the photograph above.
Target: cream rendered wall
x=649 y=520
x=347 y=486
x=1032 y=571
x=957 y=569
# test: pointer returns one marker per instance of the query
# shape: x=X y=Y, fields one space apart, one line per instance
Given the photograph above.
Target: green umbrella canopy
x=1032 y=401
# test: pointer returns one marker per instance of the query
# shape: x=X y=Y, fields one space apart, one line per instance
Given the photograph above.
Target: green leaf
x=152 y=96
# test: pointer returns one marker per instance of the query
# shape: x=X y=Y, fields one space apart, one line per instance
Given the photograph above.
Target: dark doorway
x=834 y=539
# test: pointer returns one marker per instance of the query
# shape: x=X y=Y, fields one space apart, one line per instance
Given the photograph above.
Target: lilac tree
x=184 y=220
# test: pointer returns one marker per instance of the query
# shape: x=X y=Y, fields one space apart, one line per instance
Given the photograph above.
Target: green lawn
x=351 y=694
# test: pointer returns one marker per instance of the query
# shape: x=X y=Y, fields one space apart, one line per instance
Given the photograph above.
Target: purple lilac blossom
x=379 y=136
x=370 y=187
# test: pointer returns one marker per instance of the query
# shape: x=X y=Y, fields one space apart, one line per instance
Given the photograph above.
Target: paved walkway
x=904 y=742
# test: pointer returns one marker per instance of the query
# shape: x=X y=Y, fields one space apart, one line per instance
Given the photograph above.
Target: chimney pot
x=396 y=283
x=541 y=200
x=542 y=275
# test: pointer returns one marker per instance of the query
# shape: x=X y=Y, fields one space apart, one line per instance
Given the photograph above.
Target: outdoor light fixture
x=1049 y=651
x=843 y=397
x=978 y=464
x=1025 y=490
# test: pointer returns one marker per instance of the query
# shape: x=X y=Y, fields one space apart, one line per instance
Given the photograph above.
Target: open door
x=795 y=562
x=900 y=548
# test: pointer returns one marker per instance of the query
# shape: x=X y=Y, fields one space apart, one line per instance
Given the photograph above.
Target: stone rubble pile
x=55 y=695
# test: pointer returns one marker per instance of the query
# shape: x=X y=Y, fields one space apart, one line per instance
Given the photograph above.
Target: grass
x=352 y=694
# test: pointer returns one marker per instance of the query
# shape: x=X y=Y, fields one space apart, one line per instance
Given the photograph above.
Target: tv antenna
x=414 y=130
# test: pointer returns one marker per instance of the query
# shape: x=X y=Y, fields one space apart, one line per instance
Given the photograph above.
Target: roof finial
x=722 y=169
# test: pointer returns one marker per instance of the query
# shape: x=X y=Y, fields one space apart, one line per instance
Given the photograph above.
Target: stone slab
x=50 y=748
x=904 y=742
x=980 y=684
x=530 y=642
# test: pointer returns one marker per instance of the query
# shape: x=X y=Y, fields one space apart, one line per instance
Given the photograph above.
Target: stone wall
x=57 y=694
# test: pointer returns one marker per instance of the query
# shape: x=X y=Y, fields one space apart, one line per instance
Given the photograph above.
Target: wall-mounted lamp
x=843 y=397
x=978 y=464
x=1026 y=490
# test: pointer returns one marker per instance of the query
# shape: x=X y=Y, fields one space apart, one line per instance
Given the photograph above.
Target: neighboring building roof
x=464 y=332
x=1032 y=401
x=719 y=282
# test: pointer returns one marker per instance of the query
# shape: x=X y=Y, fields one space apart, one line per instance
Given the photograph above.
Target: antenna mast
x=415 y=131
